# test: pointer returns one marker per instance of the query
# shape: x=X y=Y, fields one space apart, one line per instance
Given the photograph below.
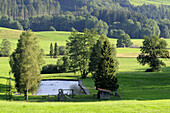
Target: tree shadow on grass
x=134 y=85
x=145 y=85
x=7 y=78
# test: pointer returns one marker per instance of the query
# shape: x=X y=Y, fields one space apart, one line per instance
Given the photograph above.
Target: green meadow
x=139 y=91
x=155 y=2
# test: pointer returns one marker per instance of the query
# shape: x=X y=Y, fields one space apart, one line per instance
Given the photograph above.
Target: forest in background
x=109 y=17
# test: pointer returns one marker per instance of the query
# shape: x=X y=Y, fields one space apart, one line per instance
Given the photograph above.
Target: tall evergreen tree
x=51 y=50
x=55 y=50
x=25 y=63
x=105 y=73
x=96 y=54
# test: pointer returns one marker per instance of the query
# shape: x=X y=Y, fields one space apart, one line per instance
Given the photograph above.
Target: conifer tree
x=96 y=53
x=51 y=50
x=105 y=73
x=55 y=51
x=25 y=63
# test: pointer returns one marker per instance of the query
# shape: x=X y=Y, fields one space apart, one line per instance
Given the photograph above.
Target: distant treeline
x=109 y=17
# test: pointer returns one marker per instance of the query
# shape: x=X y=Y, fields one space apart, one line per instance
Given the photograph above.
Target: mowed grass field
x=155 y=2
x=139 y=91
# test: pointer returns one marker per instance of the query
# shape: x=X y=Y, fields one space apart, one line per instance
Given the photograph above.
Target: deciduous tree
x=79 y=45
x=26 y=62
x=124 y=41
x=153 y=48
x=5 y=48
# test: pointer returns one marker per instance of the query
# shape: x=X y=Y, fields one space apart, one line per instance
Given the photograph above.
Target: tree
x=5 y=48
x=55 y=50
x=62 y=50
x=51 y=50
x=52 y=28
x=26 y=63
x=106 y=68
x=124 y=41
x=95 y=54
x=79 y=45
x=153 y=48
x=116 y=33
x=66 y=64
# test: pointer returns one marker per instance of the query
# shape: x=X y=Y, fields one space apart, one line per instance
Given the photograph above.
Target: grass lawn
x=132 y=106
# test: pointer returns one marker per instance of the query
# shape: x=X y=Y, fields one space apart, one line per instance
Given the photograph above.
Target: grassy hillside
x=48 y=37
x=155 y=2
x=139 y=91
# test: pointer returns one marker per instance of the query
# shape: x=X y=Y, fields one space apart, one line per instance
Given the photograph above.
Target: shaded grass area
x=135 y=84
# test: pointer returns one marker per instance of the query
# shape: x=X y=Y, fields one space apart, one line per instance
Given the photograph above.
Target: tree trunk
x=84 y=74
x=26 y=95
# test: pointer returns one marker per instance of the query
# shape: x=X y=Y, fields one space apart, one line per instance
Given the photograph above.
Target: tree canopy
x=105 y=66
x=26 y=63
x=5 y=48
x=153 y=48
x=79 y=45
x=124 y=41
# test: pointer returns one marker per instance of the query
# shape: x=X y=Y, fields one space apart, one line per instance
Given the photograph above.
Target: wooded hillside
x=109 y=17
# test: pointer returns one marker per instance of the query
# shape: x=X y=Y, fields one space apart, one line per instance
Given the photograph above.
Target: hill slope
x=155 y=2
x=48 y=37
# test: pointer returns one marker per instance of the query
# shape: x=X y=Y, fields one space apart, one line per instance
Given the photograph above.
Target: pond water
x=51 y=87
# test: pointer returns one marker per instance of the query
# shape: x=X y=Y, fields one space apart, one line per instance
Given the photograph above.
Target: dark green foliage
x=153 y=48
x=8 y=22
x=55 y=50
x=164 y=26
x=79 y=45
x=51 y=50
x=95 y=54
x=104 y=15
x=48 y=69
x=5 y=48
x=114 y=33
x=62 y=66
x=62 y=50
x=124 y=41
x=104 y=74
x=66 y=64
x=26 y=63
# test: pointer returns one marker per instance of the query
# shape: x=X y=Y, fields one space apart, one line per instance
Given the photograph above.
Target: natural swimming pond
x=51 y=87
